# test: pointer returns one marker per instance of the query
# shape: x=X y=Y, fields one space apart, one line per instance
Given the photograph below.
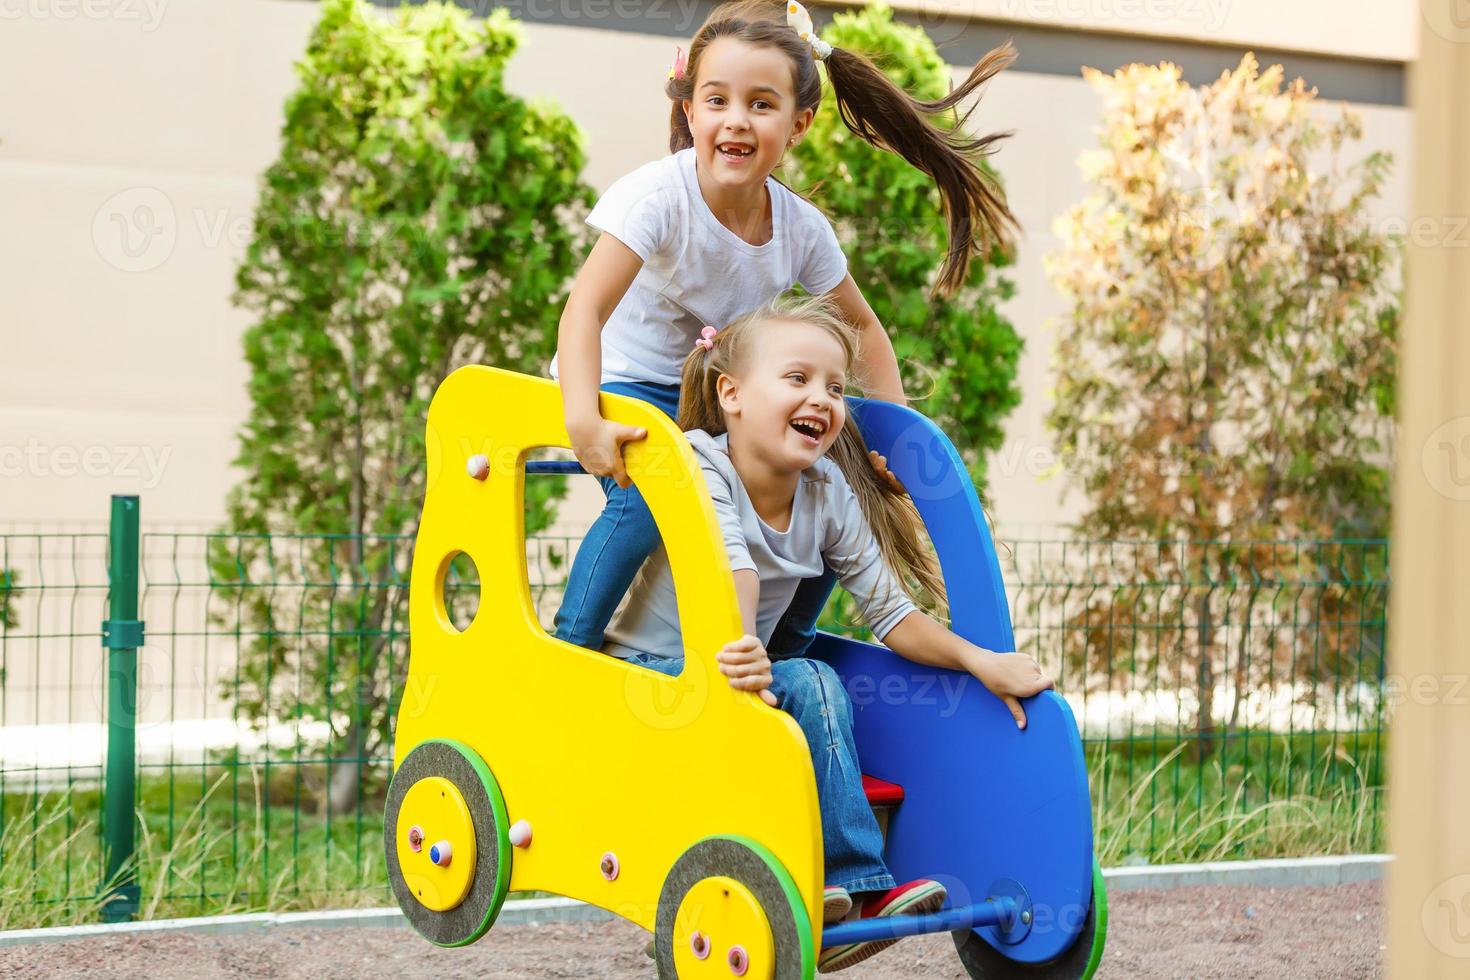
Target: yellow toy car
x=525 y=763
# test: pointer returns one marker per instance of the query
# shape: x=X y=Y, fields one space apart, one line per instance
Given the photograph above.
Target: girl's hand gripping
x=745 y=663
x=599 y=448
x=880 y=466
x=1010 y=677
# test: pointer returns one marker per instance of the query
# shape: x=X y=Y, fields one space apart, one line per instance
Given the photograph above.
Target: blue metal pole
x=987 y=913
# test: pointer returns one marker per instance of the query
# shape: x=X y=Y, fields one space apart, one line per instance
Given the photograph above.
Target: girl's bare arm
x=745 y=662
x=877 y=363
x=600 y=285
x=1010 y=676
x=748 y=594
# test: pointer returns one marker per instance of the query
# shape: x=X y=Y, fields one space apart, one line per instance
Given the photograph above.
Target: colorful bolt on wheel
x=732 y=895
x=451 y=891
x=738 y=960
x=984 y=962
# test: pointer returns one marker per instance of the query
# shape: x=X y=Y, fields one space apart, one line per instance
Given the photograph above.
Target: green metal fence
x=1232 y=698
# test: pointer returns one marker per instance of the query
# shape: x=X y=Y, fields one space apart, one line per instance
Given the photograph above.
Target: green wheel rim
x=1100 y=920
x=769 y=880
x=470 y=920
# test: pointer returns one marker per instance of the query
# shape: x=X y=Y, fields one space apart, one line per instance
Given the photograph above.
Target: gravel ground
x=1198 y=933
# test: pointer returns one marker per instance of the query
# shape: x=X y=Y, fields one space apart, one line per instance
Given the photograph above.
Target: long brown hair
x=891 y=515
x=882 y=114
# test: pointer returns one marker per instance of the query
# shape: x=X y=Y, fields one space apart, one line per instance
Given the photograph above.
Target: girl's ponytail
x=699 y=393
x=886 y=116
x=895 y=522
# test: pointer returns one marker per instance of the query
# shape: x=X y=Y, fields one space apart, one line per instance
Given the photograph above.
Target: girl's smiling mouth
x=810 y=429
x=735 y=152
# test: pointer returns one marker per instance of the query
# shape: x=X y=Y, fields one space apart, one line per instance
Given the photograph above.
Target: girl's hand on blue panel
x=880 y=464
x=746 y=665
x=1010 y=677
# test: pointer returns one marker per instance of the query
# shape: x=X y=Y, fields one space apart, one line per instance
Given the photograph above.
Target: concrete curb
x=1276 y=873
x=1273 y=873
x=528 y=911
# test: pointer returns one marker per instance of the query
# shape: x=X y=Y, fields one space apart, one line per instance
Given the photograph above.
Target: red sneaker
x=914 y=898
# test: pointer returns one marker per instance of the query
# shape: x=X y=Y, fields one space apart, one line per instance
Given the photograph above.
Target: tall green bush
x=419 y=217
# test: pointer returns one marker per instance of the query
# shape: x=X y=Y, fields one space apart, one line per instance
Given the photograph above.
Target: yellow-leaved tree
x=1224 y=389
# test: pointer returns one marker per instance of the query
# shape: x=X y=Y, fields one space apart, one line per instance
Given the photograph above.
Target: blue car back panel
x=983 y=800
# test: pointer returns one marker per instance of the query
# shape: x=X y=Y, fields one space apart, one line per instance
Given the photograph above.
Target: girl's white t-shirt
x=695 y=271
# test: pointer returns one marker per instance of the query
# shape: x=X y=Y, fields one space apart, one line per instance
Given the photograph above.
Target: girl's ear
x=801 y=124
x=728 y=390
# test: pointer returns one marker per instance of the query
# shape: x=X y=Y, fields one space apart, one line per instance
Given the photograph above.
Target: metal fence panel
x=1232 y=698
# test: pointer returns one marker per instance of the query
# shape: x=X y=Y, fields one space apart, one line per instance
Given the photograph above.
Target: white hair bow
x=801 y=22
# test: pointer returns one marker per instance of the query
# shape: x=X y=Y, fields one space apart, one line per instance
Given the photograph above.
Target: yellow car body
x=597 y=757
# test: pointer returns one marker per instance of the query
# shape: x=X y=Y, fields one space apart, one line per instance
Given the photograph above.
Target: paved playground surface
x=1216 y=933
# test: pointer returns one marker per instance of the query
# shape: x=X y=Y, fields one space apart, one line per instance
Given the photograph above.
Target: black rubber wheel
x=457 y=763
x=758 y=870
x=983 y=961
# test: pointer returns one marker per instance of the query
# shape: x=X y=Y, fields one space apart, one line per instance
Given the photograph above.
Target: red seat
x=881 y=793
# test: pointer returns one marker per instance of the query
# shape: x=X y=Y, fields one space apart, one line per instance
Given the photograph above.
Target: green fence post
x=122 y=635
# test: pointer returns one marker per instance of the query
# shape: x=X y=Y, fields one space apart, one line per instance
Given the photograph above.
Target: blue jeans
x=624 y=535
x=812 y=693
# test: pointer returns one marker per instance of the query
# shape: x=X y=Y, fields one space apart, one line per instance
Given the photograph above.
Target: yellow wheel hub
x=434 y=814
x=721 y=931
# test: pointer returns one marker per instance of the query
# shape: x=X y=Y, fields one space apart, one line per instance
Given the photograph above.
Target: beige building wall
x=1374 y=29
x=131 y=140
x=1428 y=891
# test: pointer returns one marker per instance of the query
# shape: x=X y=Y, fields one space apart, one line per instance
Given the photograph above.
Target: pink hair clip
x=706 y=338
x=680 y=62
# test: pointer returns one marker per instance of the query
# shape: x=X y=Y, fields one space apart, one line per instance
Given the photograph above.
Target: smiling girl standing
x=706 y=234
